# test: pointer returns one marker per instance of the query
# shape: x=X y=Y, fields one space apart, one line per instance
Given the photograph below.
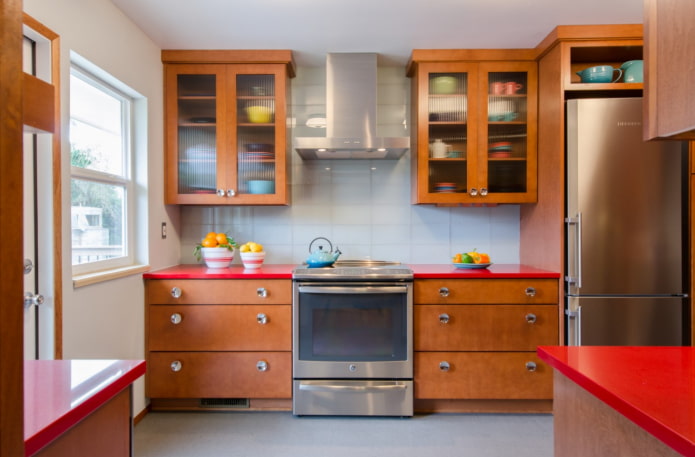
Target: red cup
x=511 y=88
x=497 y=88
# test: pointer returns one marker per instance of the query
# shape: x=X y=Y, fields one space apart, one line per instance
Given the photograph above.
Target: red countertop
x=284 y=271
x=60 y=393
x=654 y=387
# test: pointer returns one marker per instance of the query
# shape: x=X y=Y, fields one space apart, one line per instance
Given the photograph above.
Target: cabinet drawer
x=219 y=375
x=484 y=327
x=470 y=375
x=219 y=328
x=220 y=291
x=486 y=291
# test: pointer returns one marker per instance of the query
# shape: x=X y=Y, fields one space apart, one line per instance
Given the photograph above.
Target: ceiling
x=391 y=28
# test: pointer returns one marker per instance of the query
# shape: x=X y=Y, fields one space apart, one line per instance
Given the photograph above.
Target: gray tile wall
x=360 y=205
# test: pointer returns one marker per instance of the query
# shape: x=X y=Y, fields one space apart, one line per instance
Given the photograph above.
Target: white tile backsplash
x=362 y=206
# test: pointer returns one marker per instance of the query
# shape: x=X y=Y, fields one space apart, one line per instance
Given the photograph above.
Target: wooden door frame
x=11 y=210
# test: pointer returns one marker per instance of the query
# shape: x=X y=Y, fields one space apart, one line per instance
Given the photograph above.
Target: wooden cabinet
x=566 y=50
x=211 y=341
x=225 y=127
x=475 y=115
x=475 y=340
x=669 y=111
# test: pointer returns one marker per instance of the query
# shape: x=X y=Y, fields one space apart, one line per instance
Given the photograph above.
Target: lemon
x=245 y=248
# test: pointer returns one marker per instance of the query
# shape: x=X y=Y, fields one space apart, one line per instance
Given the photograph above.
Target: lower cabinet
x=223 y=343
x=475 y=344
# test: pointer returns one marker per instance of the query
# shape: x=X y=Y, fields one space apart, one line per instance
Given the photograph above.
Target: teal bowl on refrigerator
x=633 y=71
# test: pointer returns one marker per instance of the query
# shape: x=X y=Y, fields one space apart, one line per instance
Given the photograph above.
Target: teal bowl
x=599 y=74
x=633 y=71
x=261 y=187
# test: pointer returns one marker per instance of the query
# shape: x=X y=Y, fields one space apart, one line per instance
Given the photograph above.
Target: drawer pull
x=176 y=292
x=531 y=366
x=444 y=291
x=444 y=366
x=176 y=366
x=531 y=318
x=444 y=318
x=262 y=365
x=530 y=291
x=262 y=292
x=262 y=318
x=176 y=318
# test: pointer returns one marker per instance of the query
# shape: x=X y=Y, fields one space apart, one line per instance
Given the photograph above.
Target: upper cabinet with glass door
x=475 y=128
x=226 y=131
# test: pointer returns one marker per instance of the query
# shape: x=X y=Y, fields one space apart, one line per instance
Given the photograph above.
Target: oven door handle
x=353 y=290
x=353 y=388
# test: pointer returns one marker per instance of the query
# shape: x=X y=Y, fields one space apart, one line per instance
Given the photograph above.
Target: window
x=101 y=184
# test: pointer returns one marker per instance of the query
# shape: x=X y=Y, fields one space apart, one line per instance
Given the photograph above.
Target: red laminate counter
x=654 y=387
x=58 y=394
x=284 y=271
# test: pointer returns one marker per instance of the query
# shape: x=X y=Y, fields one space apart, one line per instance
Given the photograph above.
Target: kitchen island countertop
x=284 y=271
x=654 y=387
x=59 y=394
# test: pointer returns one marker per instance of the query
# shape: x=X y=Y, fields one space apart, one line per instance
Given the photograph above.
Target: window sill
x=107 y=275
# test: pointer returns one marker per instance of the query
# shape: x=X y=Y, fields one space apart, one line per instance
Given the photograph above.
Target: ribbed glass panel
x=448 y=132
x=256 y=133
x=197 y=160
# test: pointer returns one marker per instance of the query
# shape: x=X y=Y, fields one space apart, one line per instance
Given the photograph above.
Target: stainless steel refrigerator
x=625 y=238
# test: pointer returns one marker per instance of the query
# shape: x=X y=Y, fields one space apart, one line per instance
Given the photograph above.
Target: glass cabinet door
x=256 y=134
x=197 y=132
x=450 y=139
x=507 y=132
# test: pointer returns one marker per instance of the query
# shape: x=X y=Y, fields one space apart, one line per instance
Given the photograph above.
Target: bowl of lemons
x=252 y=254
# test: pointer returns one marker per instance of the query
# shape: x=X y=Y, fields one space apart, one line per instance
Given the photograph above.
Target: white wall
x=106 y=320
x=363 y=206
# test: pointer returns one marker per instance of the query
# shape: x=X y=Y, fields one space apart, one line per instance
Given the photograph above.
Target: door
x=38 y=220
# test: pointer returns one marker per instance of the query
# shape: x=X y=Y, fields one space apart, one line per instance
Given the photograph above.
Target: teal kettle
x=633 y=71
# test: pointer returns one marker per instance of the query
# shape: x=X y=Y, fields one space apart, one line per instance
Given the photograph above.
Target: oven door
x=353 y=330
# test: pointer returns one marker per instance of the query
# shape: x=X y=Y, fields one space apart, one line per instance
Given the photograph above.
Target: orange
x=211 y=235
x=209 y=243
x=221 y=238
x=484 y=258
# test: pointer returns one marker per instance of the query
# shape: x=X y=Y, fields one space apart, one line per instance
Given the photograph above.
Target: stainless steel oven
x=352 y=340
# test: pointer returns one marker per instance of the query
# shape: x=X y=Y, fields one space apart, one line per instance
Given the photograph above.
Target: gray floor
x=269 y=434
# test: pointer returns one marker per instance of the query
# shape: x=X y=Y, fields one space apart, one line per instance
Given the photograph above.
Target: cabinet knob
x=231 y=192
x=176 y=318
x=262 y=292
x=444 y=291
x=473 y=191
x=530 y=291
x=220 y=192
x=444 y=366
x=176 y=292
x=444 y=318
x=531 y=318
x=531 y=366
x=262 y=365
x=176 y=365
x=483 y=191
x=262 y=318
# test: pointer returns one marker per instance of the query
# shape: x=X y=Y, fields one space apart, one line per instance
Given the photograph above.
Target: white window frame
x=96 y=78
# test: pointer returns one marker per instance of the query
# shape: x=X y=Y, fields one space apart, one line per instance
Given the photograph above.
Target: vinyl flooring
x=270 y=434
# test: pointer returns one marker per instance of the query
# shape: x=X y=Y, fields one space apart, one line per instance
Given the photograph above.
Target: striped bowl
x=252 y=259
x=217 y=257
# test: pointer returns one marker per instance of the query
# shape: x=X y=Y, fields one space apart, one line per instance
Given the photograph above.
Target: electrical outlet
x=164 y=230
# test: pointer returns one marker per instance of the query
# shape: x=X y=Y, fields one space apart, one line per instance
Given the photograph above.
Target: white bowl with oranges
x=216 y=249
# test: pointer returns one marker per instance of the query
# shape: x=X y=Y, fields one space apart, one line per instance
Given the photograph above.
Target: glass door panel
x=255 y=136
x=507 y=132
x=197 y=134
x=448 y=133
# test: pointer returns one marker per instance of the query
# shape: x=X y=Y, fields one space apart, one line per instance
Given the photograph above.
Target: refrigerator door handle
x=575 y=318
x=576 y=280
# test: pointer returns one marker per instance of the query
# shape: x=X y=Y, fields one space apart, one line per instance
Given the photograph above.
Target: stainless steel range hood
x=351 y=83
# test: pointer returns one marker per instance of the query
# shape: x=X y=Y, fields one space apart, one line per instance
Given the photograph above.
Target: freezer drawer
x=353 y=397
x=625 y=321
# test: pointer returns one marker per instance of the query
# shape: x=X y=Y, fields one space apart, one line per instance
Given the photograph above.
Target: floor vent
x=224 y=402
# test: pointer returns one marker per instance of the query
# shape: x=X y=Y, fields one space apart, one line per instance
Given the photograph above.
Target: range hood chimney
x=351 y=83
